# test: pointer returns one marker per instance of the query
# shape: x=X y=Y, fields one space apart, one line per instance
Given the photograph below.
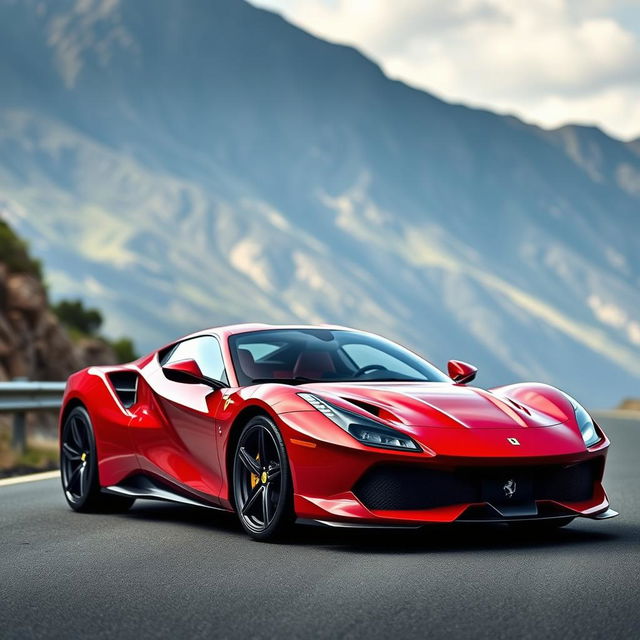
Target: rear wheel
x=262 y=481
x=79 y=467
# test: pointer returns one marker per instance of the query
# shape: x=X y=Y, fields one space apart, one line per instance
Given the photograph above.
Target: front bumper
x=346 y=485
x=346 y=510
x=340 y=524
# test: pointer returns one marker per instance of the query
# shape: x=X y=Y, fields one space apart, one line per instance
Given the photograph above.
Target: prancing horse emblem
x=509 y=488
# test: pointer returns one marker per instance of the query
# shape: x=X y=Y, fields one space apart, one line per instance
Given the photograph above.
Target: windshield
x=296 y=356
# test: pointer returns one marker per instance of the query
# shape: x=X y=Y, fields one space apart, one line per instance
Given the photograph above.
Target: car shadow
x=210 y=519
x=429 y=539
x=449 y=537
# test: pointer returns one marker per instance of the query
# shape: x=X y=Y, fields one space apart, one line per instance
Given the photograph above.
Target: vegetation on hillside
x=75 y=317
x=14 y=252
x=81 y=322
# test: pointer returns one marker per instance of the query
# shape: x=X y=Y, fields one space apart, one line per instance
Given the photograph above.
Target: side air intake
x=125 y=384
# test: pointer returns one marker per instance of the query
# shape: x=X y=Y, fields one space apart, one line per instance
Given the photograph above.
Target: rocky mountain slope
x=183 y=164
x=33 y=344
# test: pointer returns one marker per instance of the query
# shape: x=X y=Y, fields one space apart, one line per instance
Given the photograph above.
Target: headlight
x=585 y=422
x=363 y=429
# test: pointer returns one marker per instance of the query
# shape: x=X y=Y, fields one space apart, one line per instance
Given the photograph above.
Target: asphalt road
x=172 y=571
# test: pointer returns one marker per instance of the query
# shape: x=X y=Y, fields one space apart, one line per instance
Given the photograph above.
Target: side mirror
x=461 y=372
x=188 y=372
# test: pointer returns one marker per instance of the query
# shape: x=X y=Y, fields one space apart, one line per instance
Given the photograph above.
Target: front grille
x=408 y=488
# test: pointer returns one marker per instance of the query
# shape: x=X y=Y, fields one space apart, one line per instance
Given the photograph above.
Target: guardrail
x=21 y=396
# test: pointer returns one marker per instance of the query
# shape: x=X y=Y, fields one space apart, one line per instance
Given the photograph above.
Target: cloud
x=550 y=61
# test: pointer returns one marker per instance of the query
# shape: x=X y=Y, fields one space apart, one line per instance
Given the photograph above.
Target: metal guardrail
x=20 y=396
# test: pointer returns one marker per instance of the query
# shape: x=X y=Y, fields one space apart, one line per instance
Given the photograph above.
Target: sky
x=547 y=61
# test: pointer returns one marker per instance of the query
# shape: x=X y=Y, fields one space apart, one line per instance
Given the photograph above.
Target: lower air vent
x=411 y=487
x=125 y=384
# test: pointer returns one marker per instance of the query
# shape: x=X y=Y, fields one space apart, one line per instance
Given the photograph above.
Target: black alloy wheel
x=79 y=467
x=261 y=480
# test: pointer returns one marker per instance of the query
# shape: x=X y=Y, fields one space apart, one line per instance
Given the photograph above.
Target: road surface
x=173 y=571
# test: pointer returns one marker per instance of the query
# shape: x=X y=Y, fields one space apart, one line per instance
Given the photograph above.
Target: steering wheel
x=370 y=367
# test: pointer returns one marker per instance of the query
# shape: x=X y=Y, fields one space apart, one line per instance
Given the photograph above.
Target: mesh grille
x=398 y=488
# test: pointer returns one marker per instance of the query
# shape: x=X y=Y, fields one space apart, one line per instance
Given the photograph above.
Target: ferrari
x=325 y=425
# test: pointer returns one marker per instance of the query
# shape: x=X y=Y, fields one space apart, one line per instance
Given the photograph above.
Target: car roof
x=247 y=327
x=223 y=332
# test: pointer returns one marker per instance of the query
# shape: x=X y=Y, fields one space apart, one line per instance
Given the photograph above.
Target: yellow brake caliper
x=254 y=478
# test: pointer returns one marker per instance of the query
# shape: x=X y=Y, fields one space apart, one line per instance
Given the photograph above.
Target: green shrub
x=14 y=252
x=78 y=319
x=124 y=349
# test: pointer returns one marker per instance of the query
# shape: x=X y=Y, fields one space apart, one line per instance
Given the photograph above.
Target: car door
x=181 y=445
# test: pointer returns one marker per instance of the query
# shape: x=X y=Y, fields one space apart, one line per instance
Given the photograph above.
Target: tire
x=542 y=525
x=79 y=468
x=262 y=488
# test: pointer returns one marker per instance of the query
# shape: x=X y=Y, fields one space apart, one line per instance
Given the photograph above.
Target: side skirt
x=144 y=487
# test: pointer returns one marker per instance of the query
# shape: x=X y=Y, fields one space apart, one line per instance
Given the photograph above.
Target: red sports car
x=325 y=425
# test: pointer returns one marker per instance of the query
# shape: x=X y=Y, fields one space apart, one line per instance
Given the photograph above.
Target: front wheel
x=262 y=480
x=79 y=467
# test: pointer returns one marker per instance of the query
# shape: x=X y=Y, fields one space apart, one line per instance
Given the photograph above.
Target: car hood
x=436 y=404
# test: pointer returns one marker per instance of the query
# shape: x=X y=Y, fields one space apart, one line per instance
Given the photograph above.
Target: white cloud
x=550 y=61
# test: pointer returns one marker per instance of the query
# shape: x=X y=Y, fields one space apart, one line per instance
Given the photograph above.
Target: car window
x=261 y=350
x=364 y=355
x=205 y=350
x=301 y=355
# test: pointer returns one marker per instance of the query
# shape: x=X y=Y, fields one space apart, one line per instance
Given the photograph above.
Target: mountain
x=184 y=164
